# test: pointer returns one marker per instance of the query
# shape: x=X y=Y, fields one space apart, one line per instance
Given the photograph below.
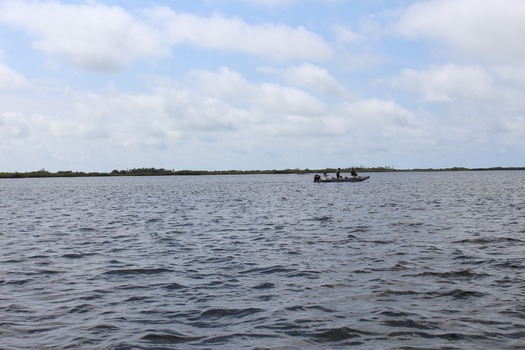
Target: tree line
x=164 y=172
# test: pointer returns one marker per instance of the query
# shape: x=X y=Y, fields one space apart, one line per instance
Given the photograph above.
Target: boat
x=345 y=179
x=318 y=178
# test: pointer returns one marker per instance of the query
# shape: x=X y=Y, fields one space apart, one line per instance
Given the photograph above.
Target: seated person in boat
x=353 y=172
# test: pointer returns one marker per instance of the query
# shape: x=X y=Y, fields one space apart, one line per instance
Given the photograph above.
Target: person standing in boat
x=338 y=173
x=353 y=172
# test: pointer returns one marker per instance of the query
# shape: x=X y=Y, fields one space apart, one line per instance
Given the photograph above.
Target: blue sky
x=261 y=84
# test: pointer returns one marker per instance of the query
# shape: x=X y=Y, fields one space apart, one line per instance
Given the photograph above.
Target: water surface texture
x=400 y=261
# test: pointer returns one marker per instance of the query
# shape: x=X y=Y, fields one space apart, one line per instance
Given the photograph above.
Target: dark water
x=401 y=261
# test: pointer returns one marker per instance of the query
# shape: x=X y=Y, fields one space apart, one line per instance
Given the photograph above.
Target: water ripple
x=402 y=261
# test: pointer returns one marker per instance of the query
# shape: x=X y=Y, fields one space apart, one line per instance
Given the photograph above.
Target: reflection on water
x=402 y=260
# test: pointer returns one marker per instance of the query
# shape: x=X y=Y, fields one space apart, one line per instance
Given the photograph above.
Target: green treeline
x=147 y=172
x=164 y=172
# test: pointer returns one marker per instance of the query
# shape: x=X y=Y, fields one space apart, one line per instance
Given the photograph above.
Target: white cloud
x=12 y=127
x=513 y=75
x=488 y=29
x=95 y=36
x=445 y=83
x=346 y=35
x=211 y=109
x=274 y=41
x=272 y=3
x=381 y=116
x=516 y=128
x=10 y=78
x=270 y=98
x=107 y=38
x=310 y=77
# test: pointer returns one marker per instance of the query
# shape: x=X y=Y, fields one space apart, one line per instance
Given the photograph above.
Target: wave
x=157 y=337
x=224 y=312
x=338 y=334
x=124 y=272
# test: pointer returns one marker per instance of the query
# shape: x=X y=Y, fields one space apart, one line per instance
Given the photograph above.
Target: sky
x=261 y=84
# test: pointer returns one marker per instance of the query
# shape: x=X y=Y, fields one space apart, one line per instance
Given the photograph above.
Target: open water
x=400 y=261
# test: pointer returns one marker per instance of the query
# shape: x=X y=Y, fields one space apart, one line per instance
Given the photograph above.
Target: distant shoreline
x=163 y=172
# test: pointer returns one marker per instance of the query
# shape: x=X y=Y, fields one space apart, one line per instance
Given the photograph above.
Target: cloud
x=10 y=78
x=491 y=29
x=12 y=127
x=471 y=107
x=100 y=37
x=272 y=3
x=205 y=108
x=346 y=35
x=445 y=83
x=274 y=41
x=137 y=120
x=271 y=98
x=311 y=77
x=513 y=75
x=515 y=126
x=96 y=37
x=376 y=115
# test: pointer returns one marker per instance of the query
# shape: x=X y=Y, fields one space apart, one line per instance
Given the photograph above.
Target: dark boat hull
x=346 y=179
